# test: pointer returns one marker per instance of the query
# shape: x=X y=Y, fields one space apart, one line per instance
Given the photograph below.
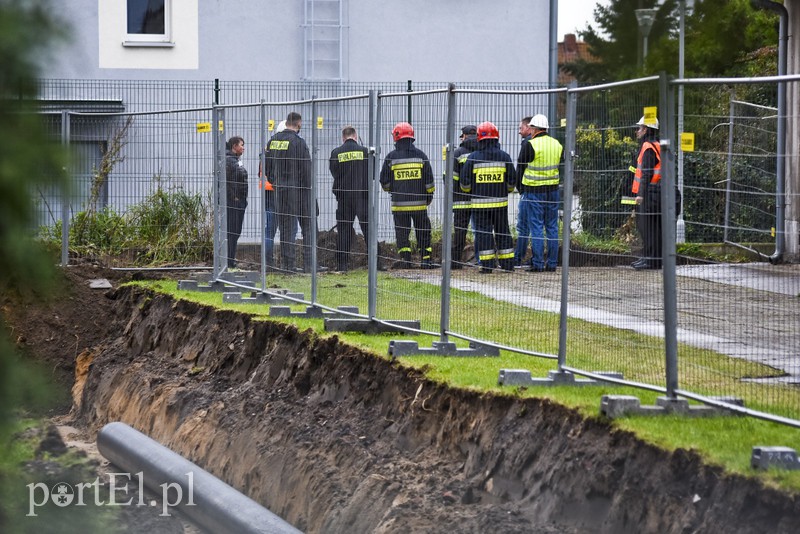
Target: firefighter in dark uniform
x=349 y=166
x=236 y=194
x=489 y=176
x=407 y=176
x=647 y=192
x=461 y=201
x=290 y=166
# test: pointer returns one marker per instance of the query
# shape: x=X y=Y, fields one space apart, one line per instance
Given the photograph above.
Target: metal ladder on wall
x=324 y=41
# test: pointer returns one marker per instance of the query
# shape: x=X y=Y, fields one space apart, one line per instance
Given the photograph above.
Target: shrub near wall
x=601 y=169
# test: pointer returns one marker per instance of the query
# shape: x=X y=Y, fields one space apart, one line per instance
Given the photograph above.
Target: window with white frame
x=149 y=21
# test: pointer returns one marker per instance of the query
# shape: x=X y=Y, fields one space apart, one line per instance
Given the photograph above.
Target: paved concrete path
x=749 y=311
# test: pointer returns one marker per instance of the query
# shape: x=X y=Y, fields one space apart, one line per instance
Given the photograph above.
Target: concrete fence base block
x=257 y=297
x=774 y=458
x=613 y=406
x=311 y=312
x=368 y=326
x=194 y=285
x=240 y=277
x=522 y=377
x=398 y=347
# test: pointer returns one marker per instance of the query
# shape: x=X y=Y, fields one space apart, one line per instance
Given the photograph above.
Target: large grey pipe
x=205 y=499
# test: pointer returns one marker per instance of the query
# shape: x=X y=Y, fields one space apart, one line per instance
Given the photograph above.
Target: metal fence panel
x=151 y=175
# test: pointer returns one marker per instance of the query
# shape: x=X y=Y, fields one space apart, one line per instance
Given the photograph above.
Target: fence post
x=372 y=191
x=376 y=178
x=566 y=231
x=312 y=204
x=447 y=218
x=668 y=221
x=219 y=191
x=262 y=189
x=408 y=111
x=65 y=142
x=729 y=169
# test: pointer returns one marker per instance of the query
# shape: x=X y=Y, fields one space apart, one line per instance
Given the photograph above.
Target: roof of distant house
x=569 y=50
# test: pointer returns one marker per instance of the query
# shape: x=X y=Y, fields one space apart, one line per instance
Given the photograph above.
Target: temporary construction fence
x=701 y=328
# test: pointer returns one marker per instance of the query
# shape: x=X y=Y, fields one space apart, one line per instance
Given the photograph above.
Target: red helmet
x=487 y=130
x=402 y=130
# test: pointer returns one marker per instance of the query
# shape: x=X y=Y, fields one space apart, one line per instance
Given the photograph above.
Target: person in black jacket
x=462 y=211
x=291 y=175
x=349 y=166
x=524 y=206
x=489 y=176
x=270 y=219
x=236 y=194
x=407 y=176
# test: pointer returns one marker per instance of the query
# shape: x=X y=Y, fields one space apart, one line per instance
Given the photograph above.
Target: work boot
x=405 y=261
x=427 y=264
x=455 y=265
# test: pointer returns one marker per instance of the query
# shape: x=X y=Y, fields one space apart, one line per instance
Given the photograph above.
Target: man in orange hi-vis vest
x=647 y=192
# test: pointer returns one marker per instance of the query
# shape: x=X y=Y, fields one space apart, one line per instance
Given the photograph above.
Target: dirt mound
x=337 y=440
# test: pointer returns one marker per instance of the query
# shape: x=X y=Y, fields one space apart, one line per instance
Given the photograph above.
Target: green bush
x=168 y=227
x=600 y=169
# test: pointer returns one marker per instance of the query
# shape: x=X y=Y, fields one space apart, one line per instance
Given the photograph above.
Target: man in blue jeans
x=523 y=211
x=537 y=171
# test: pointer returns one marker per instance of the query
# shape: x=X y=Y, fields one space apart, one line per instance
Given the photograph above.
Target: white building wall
x=449 y=40
x=258 y=40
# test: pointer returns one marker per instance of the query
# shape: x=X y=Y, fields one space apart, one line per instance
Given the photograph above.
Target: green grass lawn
x=723 y=440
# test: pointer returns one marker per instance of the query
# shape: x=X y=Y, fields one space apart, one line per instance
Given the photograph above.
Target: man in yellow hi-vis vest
x=538 y=174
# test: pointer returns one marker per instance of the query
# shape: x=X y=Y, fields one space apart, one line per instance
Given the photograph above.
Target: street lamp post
x=645 y=18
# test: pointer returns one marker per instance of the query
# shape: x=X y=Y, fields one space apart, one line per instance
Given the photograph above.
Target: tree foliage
x=721 y=37
x=27 y=159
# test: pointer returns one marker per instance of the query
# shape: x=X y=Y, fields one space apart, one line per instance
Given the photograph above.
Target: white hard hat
x=649 y=125
x=539 y=121
x=281 y=126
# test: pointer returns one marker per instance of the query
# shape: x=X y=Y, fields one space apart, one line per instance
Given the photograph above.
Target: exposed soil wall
x=337 y=440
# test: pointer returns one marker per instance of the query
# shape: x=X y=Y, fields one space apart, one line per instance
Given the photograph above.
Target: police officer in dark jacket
x=236 y=194
x=461 y=201
x=290 y=167
x=407 y=175
x=489 y=176
x=349 y=166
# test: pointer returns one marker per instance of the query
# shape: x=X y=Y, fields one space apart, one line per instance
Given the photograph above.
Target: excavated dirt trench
x=337 y=440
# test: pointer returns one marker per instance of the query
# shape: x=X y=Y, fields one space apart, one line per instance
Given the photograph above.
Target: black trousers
x=492 y=238
x=649 y=225
x=422 y=228
x=349 y=206
x=235 y=215
x=461 y=217
x=293 y=206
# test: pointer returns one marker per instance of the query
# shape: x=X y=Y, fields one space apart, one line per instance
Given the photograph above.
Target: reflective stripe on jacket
x=543 y=170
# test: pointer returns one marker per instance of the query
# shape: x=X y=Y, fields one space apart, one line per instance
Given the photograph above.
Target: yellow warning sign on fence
x=687 y=141
x=271 y=125
x=650 y=114
x=203 y=127
x=319 y=123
